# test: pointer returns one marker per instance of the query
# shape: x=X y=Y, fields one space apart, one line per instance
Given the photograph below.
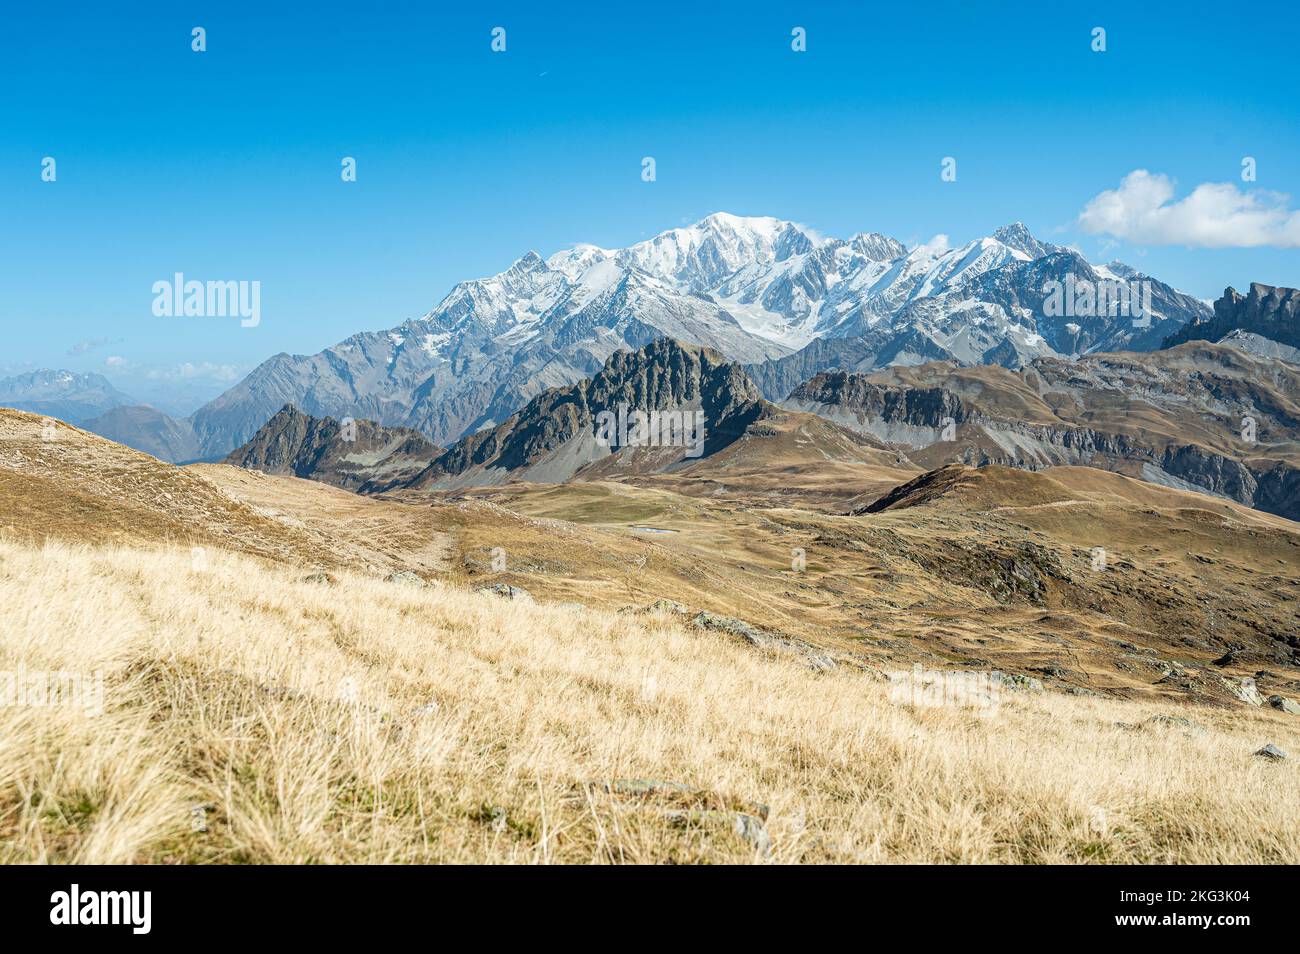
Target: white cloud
x=936 y=246
x=90 y=344
x=206 y=371
x=1214 y=215
x=188 y=370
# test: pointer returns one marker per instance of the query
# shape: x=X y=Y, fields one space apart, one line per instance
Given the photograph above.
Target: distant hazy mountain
x=1266 y=311
x=147 y=429
x=761 y=291
x=66 y=395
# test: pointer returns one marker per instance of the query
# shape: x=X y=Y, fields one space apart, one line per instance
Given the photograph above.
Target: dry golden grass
x=368 y=721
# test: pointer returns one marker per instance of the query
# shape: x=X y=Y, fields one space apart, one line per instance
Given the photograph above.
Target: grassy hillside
x=251 y=715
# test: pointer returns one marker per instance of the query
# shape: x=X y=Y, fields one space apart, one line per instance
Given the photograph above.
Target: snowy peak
x=1017 y=236
x=876 y=247
x=702 y=255
x=574 y=261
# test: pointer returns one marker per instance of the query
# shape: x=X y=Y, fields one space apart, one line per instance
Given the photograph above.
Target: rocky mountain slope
x=757 y=290
x=345 y=455
x=1199 y=416
x=1264 y=347
x=560 y=431
x=702 y=418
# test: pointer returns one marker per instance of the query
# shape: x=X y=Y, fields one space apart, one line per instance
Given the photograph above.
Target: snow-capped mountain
x=762 y=291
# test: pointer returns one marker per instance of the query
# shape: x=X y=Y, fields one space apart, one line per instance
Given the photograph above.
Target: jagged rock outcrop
x=559 y=432
x=1268 y=311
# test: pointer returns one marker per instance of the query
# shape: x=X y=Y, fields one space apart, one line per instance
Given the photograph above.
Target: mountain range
x=1200 y=416
x=761 y=291
x=557 y=436
x=1206 y=417
x=774 y=297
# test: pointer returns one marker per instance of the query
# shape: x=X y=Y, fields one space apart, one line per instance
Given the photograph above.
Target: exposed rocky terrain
x=1199 y=416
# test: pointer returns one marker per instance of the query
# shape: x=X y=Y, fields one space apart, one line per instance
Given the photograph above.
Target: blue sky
x=225 y=164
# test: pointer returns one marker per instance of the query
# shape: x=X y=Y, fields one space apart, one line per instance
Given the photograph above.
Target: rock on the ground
x=1271 y=752
x=405 y=577
x=506 y=591
x=1174 y=722
x=1285 y=704
x=1016 y=682
x=666 y=606
x=813 y=657
x=1245 y=691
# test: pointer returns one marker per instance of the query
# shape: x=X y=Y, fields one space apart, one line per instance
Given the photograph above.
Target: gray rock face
x=1284 y=704
x=1271 y=753
x=555 y=434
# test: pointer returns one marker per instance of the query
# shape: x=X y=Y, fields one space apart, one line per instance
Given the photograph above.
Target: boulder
x=405 y=577
x=813 y=657
x=1245 y=691
x=506 y=591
